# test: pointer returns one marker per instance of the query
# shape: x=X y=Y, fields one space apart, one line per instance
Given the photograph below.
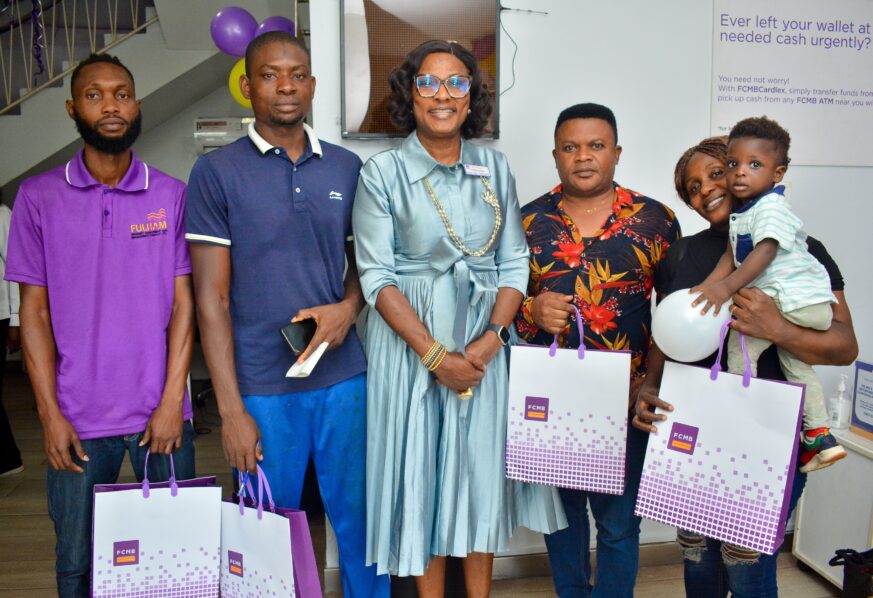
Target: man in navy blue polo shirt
x=269 y=222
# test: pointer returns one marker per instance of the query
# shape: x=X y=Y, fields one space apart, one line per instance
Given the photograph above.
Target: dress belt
x=445 y=257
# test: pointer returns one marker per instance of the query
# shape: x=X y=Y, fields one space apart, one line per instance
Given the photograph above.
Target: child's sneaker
x=819 y=450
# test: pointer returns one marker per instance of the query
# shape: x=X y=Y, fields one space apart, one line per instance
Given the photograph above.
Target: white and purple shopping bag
x=722 y=463
x=158 y=540
x=265 y=550
x=567 y=422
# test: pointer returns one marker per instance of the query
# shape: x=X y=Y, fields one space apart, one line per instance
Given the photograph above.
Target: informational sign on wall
x=805 y=63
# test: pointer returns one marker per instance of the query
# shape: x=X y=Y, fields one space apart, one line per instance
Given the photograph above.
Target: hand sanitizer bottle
x=840 y=406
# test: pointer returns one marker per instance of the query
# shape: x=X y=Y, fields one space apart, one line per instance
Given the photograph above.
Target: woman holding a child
x=713 y=568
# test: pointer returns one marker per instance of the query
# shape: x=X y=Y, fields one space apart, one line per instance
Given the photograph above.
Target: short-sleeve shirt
x=108 y=257
x=691 y=259
x=610 y=275
x=286 y=225
x=794 y=277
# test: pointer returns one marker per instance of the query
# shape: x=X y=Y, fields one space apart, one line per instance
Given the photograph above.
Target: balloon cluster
x=232 y=29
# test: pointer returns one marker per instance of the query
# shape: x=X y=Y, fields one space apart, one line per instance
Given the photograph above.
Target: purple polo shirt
x=109 y=257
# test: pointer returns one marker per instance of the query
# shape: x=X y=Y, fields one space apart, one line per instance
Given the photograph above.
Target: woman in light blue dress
x=443 y=260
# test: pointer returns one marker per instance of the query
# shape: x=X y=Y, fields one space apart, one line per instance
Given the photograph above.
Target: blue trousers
x=618 y=535
x=329 y=425
x=70 y=498
x=708 y=575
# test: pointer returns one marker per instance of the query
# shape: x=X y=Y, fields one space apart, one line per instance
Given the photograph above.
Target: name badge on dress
x=476 y=170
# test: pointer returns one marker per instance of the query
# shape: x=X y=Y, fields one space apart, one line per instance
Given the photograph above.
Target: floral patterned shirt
x=610 y=275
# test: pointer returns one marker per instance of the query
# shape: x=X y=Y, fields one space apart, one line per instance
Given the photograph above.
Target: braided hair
x=714 y=147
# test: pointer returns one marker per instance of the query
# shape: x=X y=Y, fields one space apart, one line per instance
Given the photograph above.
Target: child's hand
x=715 y=294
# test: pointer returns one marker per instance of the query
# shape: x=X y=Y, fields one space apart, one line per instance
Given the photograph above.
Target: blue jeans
x=70 y=498
x=618 y=535
x=329 y=425
x=707 y=575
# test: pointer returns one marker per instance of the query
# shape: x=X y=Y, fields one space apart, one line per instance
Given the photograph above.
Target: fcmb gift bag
x=722 y=464
x=265 y=550
x=567 y=422
x=156 y=540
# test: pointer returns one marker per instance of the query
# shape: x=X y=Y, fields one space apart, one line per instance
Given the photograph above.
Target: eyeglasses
x=458 y=86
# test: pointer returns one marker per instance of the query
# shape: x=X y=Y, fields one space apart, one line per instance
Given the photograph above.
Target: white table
x=836 y=510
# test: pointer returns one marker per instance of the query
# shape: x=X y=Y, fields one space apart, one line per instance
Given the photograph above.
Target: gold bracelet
x=438 y=359
x=434 y=348
x=432 y=354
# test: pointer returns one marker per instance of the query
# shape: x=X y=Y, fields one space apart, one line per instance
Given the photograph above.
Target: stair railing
x=41 y=41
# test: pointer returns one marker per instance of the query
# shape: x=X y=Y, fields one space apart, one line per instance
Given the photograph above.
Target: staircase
x=165 y=44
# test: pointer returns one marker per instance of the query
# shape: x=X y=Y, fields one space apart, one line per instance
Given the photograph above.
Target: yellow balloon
x=238 y=70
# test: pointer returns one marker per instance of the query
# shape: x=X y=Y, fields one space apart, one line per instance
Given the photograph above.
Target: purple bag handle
x=263 y=485
x=245 y=487
x=174 y=488
x=553 y=348
x=716 y=367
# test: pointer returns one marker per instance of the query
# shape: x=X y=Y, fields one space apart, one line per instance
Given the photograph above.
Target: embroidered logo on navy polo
x=335 y=195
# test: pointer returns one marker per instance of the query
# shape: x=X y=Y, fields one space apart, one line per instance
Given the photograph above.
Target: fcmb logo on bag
x=235 y=563
x=536 y=409
x=683 y=438
x=125 y=553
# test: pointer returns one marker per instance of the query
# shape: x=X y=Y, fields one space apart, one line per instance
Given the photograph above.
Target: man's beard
x=288 y=122
x=109 y=145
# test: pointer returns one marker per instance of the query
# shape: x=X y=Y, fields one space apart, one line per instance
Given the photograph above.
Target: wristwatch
x=502 y=333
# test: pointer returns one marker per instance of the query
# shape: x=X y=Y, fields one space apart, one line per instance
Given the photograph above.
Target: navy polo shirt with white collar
x=286 y=224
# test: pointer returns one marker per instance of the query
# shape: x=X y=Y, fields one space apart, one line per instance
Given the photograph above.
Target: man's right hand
x=644 y=411
x=241 y=441
x=60 y=436
x=551 y=311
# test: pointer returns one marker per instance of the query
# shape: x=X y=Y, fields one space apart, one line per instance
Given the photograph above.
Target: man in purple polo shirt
x=98 y=248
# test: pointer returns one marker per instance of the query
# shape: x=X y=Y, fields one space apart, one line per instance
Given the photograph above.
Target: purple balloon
x=276 y=24
x=232 y=30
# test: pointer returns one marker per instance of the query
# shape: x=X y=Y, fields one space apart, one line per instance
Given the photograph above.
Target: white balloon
x=680 y=330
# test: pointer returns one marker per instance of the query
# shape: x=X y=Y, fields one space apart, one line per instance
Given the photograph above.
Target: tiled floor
x=27 y=537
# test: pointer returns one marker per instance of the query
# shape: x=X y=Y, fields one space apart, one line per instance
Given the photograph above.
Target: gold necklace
x=600 y=206
x=490 y=198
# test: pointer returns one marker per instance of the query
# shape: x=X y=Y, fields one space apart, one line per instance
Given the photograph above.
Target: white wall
x=651 y=63
x=170 y=146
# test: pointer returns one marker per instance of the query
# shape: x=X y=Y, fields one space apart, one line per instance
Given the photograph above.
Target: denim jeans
x=618 y=535
x=330 y=426
x=70 y=498
x=709 y=575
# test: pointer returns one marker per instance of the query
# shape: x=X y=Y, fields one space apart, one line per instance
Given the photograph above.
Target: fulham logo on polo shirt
x=155 y=224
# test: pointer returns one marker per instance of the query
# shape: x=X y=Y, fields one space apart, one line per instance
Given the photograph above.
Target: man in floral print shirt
x=595 y=245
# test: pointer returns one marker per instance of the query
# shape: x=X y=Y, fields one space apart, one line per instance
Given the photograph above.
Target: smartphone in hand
x=299 y=334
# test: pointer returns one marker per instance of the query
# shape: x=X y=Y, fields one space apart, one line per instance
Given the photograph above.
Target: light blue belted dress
x=435 y=463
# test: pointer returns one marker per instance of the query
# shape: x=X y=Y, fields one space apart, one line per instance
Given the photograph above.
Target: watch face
x=503 y=333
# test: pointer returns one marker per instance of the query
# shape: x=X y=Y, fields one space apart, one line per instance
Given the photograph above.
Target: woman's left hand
x=482 y=350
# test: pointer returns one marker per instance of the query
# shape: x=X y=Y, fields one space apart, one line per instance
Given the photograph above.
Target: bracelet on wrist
x=438 y=359
x=434 y=356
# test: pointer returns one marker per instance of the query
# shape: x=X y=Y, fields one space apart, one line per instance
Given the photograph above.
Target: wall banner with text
x=805 y=63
